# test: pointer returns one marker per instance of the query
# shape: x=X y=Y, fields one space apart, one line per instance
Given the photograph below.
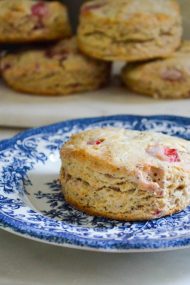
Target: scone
x=129 y=30
x=164 y=78
x=30 y=21
x=58 y=70
x=126 y=175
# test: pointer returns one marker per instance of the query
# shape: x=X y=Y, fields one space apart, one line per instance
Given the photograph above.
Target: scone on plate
x=126 y=175
x=129 y=30
x=57 y=70
x=163 y=78
x=32 y=20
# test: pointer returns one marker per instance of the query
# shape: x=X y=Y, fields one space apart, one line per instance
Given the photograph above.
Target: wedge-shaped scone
x=129 y=30
x=32 y=20
x=126 y=175
x=163 y=78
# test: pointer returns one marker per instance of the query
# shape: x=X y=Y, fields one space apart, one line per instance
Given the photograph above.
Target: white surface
x=26 y=262
x=30 y=263
x=27 y=111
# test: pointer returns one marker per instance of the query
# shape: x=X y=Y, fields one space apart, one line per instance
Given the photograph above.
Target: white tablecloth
x=18 y=110
x=30 y=263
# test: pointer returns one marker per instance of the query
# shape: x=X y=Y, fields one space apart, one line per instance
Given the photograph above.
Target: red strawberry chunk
x=158 y=213
x=59 y=55
x=5 y=66
x=98 y=142
x=172 y=154
x=39 y=9
x=172 y=75
x=95 y=142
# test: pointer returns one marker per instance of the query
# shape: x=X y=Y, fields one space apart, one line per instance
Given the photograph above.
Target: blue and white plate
x=31 y=203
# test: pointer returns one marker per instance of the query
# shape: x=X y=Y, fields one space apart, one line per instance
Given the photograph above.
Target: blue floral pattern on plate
x=31 y=203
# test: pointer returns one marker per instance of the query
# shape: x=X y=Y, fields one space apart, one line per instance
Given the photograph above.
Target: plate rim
x=91 y=249
x=119 y=246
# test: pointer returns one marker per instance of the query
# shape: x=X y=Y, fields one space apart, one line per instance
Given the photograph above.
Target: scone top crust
x=33 y=20
x=119 y=151
x=167 y=78
x=64 y=54
x=124 y=10
x=28 y=7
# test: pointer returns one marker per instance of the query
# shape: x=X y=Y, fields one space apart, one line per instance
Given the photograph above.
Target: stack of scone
x=53 y=65
x=147 y=35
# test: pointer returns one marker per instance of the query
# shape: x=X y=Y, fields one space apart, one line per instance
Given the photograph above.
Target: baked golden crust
x=32 y=21
x=130 y=30
x=164 y=78
x=126 y=175
x=57 y=70
x=118 y=216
